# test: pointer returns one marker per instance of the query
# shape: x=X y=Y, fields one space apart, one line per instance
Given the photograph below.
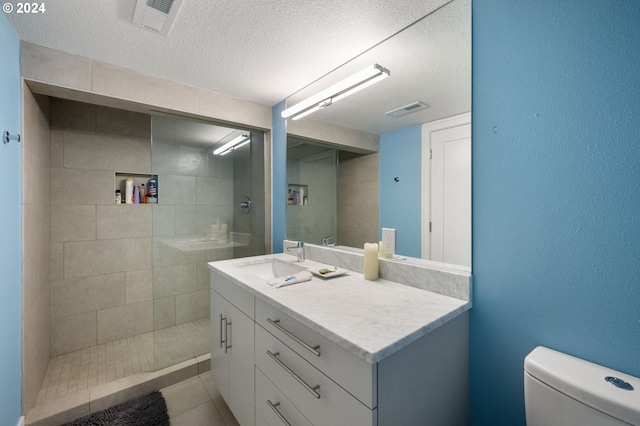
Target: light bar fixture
x=340 y=90
x=233 y=144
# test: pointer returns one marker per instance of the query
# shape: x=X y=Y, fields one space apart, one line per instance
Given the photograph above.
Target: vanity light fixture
x=340 y=90
x=232 y=145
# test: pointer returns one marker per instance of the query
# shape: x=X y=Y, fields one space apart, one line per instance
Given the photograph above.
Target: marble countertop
x=372 y=319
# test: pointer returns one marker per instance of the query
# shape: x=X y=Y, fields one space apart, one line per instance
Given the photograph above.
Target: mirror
x=429 y=62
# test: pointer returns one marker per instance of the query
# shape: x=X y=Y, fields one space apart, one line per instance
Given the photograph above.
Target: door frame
x=427 y=130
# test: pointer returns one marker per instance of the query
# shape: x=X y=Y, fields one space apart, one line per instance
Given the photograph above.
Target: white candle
x=370 y=261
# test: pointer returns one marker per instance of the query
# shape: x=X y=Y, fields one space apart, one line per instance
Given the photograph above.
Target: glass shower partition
x=209 y=207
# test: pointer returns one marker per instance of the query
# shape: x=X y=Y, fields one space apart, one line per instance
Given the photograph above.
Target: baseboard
x=21 y=421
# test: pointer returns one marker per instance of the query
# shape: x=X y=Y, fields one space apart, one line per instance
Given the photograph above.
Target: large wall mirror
x=353 y=168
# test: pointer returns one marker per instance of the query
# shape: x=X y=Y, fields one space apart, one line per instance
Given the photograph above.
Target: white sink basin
x=271 y=268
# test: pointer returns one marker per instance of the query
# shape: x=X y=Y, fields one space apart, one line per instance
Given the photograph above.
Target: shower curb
x=115 y=392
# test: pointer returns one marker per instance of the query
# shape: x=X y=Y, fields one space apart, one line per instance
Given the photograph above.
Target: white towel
x=300 y=277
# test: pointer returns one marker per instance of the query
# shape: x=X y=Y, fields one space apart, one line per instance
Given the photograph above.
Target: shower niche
x=297 y=194
x=142 y=181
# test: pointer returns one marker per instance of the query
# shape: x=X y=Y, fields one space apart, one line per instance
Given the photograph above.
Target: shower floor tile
x=70 y=374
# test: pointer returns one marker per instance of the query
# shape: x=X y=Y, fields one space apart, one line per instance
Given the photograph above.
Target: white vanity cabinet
x=307 y=355
x=232 y=347
x=424 y=383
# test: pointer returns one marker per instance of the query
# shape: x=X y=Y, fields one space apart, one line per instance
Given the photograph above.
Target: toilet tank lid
x=585 y=382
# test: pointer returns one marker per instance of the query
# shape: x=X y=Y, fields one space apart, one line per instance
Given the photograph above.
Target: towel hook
x=6 y=137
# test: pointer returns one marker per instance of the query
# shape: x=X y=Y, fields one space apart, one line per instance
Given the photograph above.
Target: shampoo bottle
x=143 y=194
x=136 y=195
x=152 y=191
x=128 y=191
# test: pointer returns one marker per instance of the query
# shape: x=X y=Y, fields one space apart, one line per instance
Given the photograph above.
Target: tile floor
x=197 y=402
x=71 y=374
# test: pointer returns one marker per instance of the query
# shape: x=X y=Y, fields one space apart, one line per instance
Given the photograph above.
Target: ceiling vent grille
x=163 y=6
x=156 y=15
x=407 y=109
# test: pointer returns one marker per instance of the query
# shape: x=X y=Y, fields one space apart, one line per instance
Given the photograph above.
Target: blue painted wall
x=556 y=191
x=278 y=177
x=400 y=205
x=10 y=229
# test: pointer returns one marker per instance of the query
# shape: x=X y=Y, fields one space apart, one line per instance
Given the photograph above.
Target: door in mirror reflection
x=450 y=195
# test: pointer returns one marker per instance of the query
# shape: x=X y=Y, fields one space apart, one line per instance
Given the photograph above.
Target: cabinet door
x=219 y=359
x=260 y=421
x=241 y=361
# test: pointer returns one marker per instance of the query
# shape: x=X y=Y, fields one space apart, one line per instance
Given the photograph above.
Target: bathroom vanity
x=338 y=351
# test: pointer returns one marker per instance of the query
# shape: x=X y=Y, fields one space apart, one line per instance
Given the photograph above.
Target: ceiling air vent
x=407 y=109
x=156 y=15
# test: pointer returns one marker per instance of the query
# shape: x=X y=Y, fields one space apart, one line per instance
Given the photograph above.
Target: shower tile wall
x=36 y=210
x=122 y=270
x=314 y=167
x=318 y=219
x=358 y=195
x=101 y=288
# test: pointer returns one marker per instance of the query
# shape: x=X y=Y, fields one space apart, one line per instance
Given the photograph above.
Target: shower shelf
x=297 y=188
x=119 y=179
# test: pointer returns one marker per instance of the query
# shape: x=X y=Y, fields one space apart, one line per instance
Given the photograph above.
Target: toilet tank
x=566 y=391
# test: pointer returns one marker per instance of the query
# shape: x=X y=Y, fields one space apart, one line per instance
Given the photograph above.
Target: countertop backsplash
x=449 y=281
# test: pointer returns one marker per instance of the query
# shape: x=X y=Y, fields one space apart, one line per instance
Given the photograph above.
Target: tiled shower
x=127 y=286
x=339 y=190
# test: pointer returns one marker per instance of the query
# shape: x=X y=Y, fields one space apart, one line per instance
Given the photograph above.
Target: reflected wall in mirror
x=429 y=62
x=332 y=195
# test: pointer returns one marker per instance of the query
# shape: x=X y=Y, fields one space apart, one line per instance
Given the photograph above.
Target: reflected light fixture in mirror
x=334 y=93
x=230 y=146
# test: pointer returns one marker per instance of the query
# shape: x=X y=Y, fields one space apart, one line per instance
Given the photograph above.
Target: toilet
x=561 y=390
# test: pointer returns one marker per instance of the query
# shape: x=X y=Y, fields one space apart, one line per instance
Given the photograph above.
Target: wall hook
x=397 y=179
x=6 y=137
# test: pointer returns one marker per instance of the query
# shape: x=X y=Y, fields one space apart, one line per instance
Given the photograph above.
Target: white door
x=449 y=182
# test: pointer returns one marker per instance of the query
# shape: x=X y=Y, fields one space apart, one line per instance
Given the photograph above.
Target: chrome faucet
x=300 y=250
x=325 y=241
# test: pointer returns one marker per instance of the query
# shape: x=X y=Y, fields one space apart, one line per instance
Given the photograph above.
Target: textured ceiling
x=256 y=50
x=429 y=62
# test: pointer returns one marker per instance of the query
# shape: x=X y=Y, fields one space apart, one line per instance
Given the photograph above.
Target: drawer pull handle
x=274 y=407
x=311 y=389
x=313 y=349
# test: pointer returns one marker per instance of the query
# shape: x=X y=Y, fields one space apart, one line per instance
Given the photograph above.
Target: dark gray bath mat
x=147 y=410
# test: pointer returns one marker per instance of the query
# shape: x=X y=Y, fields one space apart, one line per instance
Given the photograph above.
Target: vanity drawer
x=317 y=397
x=271 y=404
x=354 y=374
x=240 y=298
